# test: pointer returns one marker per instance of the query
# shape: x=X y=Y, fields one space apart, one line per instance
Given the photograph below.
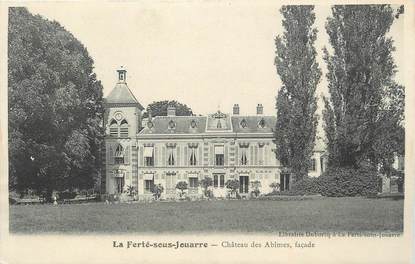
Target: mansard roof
x=122 y=95
x=207 y=124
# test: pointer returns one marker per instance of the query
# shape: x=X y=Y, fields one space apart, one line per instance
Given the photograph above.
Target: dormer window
x=261 y=123
x=243 y=123
x=172 y=124
x=219 y=125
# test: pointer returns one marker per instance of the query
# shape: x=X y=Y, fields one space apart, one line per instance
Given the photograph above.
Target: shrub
x=182 y=186
x=66 y=195
x=205 y=183
x=338 y=182
x=157 y=191
x=233 y=186
x=306 y=186
x=255 y=188
x=275 y=186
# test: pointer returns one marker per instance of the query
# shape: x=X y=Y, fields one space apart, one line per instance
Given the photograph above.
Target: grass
x=321 y=214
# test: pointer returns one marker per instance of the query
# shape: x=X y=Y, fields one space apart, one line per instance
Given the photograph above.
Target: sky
x=206 y=54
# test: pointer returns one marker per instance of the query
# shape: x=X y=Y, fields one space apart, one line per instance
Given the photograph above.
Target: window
x=113 y=128
x=149 y=184
x=193 y=182
x=243 y=123
x=193 y=124
x=219 y=156
x=124 y=128
x=261 y=123
x=219 y=125
x=119 y=155
x=218 y=180
x=313 y=165
x=119 y=184
x=148 y=156
x=170 y=158
x=172 y=124
x=244 y=160
x=193 y=160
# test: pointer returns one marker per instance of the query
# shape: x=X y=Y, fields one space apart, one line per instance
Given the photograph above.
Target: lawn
x=320 y=214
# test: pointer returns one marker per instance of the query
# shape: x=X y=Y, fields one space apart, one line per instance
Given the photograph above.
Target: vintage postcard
x=207 y=131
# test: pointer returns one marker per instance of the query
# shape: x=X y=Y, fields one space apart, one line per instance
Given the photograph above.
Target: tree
x=55 y=107
x=255 y=188
x=182 y=186
x=363 y=117
x=159 y=108
x=233 y=186
x=206 y=183
x=296 y=101
x=158 y=189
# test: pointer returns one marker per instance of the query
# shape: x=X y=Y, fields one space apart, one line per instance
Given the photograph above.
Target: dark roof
x=253 y=124
x=182 y=124
x=121 y=94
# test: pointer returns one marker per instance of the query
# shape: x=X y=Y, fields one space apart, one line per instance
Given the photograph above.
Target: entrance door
x=243 y=184
x=119 y=184
x=284 y=181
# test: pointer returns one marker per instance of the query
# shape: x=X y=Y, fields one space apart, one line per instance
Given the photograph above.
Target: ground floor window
x=193 y=183
x=243 y=184
x=219 y=180
x=284 y=181
x=148 y=186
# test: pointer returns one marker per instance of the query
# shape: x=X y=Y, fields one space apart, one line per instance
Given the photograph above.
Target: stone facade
x=168 y=149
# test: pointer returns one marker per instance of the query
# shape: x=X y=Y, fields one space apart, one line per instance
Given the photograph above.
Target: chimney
x=236 y=109
x=171 y=110
x=259 y=109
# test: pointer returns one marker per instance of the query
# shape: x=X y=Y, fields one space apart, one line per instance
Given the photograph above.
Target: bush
x=66 y=195
x=306 y=186
x=338 y=182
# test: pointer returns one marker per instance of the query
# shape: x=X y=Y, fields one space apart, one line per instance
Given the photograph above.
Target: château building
x=168 y=149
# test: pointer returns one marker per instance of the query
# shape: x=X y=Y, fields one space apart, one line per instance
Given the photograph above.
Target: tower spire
x=122 y=75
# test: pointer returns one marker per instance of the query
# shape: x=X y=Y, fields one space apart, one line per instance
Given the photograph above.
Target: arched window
x=119 y=155
x=113 y=128
x=124 y=128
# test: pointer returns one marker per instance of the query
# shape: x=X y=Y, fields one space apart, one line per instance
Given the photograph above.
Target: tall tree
x=364 y=113
x=55 y=107
x=296 y=101
x=159 y=108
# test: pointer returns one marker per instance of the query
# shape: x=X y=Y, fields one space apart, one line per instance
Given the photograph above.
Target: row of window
x=119 y=130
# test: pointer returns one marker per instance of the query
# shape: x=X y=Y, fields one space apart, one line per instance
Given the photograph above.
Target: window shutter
x=226 y=156
x=141 y=157
x=212 y=155
x=111 y=154
x=155 y=157
x=127 y=155
x=177 y=161
x=186 y=157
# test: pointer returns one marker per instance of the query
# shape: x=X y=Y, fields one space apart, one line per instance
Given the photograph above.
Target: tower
x=122 y=122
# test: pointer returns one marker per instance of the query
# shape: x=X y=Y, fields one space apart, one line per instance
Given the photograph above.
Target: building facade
x=168 y=149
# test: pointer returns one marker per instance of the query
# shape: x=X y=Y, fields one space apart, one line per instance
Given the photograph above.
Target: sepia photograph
x=221 y=118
